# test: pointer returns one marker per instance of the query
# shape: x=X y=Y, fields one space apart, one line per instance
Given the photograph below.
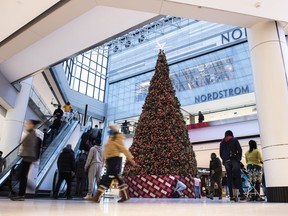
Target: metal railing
x=12 y=157
x=37 y=99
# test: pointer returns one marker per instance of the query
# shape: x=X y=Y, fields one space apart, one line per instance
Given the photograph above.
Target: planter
x=153 y=186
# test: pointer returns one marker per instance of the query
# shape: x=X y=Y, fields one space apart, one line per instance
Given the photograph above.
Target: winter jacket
x=216 y=166
x=80 y=166
x=86 y=142
x=95 y=156
x=115 y=146
x=30 y=147
x=66 y=161
x=230 y=149
x=58 y=113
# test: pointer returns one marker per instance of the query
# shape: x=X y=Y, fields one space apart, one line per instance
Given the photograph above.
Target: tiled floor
x=140 y=207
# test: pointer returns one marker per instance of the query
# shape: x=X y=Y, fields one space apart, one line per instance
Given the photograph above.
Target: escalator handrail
x=76 y=153
x=11 y=176
x=61 y=134
x=14 y=149
x=41 y=175
x=5 y=173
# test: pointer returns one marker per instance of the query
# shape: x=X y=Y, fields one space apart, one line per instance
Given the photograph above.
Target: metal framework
x=146 y=33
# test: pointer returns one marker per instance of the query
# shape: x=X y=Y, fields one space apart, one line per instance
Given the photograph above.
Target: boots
x=235 y=195
x=99 y=194
x=124 y=193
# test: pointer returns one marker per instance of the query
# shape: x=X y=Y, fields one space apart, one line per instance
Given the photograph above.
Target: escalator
x=9 y=176
x=77 y=151
x=12 y=162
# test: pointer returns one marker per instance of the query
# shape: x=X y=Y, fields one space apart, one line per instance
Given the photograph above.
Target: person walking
x=66 y=168
x=2 y=162
x=93 y=166
x=254 y=167
x=200 y=117
x=215 y=176
x=29 y=151
x=112 y=150
x=231 y=154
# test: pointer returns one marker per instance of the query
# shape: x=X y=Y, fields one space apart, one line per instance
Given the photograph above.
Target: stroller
x=248 y=187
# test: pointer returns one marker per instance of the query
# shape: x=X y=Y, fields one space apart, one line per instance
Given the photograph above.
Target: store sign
x=235 y=34
x=222 y=94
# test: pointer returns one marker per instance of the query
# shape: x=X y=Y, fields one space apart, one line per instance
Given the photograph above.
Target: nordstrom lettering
x=222 y=94
x=235 y=34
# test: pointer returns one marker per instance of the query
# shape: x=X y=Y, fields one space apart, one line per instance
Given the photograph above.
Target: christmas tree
x=161 y=144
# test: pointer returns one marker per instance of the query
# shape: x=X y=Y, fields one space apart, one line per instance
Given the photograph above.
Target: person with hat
x=112 y=150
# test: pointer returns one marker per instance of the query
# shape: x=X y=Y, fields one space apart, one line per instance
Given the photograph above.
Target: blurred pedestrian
x=29 y=150
x=112 y=150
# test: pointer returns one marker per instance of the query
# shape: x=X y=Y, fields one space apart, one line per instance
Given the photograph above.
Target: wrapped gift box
x=153 y=186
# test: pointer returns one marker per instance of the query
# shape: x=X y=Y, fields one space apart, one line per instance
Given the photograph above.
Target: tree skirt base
x=153 y=186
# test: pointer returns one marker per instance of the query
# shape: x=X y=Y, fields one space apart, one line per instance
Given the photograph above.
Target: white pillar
x=269 y=55
x=13 y=124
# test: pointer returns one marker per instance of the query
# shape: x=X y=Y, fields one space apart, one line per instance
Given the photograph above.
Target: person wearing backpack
x=231 y=154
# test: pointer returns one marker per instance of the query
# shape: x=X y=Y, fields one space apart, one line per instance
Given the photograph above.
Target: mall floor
x=140 y=207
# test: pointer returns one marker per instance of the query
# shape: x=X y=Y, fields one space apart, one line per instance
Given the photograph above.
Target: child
x=197 y=187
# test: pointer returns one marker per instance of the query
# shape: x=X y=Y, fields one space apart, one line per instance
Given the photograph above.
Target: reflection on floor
x=140 y=207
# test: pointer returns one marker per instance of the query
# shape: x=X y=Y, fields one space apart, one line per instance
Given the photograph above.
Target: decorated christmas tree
x=161 y=144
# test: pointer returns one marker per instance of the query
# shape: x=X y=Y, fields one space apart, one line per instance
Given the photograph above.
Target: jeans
x=67 y=176
x=197 y=192
x=113 y=172
x=232 y=167
x=24 y=170
x=80 y=185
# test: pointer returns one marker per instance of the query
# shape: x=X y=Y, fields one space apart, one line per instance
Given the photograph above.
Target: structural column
x=13 y=124
x=269 y=55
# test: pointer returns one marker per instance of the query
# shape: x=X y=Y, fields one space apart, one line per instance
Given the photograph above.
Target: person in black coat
x=66 y=168
x=200 y=117
x=55 y=128
x=80 y=173
x=58 y=113
x=29 y=151
x=231 y=154
x=215 y=176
